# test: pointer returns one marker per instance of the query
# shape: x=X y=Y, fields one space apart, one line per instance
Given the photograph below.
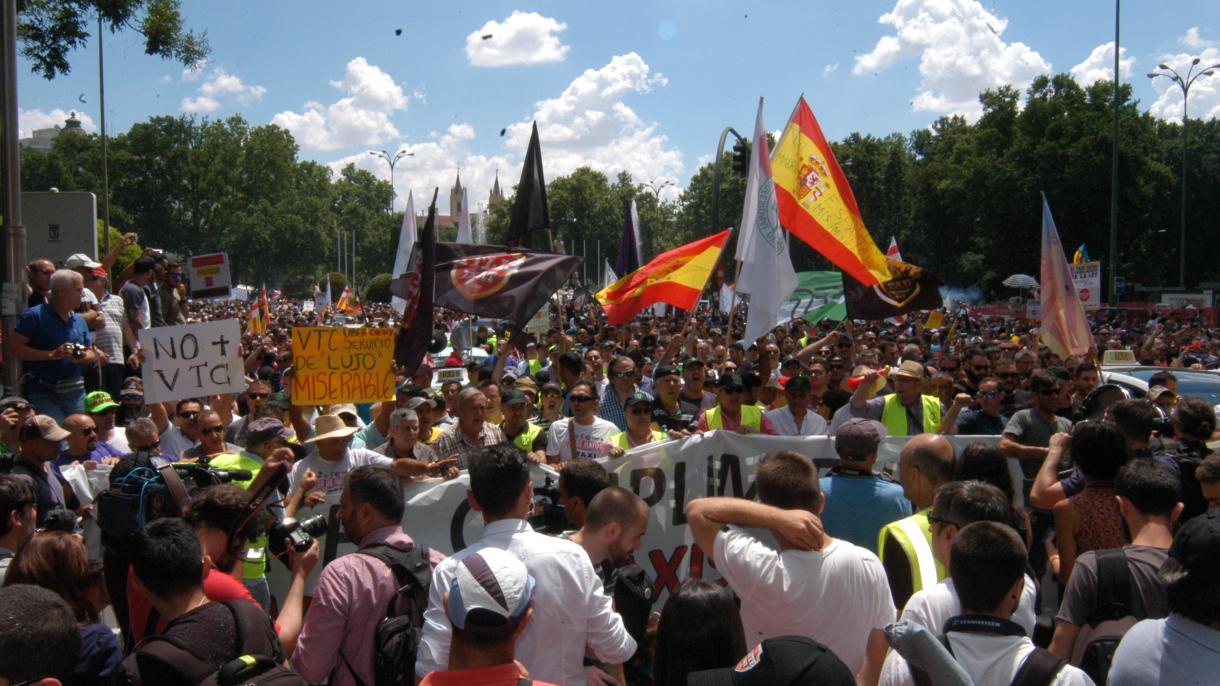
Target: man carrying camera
x=55 y=344
x=353 y=592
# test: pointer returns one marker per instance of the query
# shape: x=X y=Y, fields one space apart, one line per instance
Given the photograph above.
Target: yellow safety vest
x=621 y=440
x=535 y=366
x=914 y=536
x=751 y=417
x=894 y=415
x=525 y=439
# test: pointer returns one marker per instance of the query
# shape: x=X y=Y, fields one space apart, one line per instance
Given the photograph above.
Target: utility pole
x=12 y=248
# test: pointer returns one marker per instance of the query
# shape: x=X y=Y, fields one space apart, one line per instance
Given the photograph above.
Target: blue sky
x=641 y=86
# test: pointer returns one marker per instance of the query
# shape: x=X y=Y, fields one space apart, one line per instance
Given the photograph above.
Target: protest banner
x=209 y=275
x=1087 y=277
x=818 y=296
x=192 y=360
x=342 y=365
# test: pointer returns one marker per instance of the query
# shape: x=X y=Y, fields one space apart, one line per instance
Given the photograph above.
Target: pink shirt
x=348 y=602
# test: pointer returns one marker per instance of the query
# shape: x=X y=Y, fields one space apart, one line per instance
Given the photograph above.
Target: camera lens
x=314 y=526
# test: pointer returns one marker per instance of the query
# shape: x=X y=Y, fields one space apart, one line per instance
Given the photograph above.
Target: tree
x=49 y=29
x=378 y=290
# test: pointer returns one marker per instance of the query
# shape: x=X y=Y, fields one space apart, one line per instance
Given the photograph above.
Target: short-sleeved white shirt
x=988 y=659
x=592 y=440
x=781 y=418
x=332 y=475
x=835 y=595
x=932 y=607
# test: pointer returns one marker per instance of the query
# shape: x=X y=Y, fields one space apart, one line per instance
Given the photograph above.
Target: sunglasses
x=731 y=390
x=258 y=396
x=209 y=430
x=19 y=408
x=989 y=394
x=151 y=446
x=188 y=415
x=580 y=398
x=622 y=375
x=934 y=519
x=641 y=410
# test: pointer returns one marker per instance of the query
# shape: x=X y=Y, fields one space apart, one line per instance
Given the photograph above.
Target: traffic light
x=741 y=157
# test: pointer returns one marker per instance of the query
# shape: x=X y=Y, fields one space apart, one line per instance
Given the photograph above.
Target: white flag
x=608 y=276
x=639 y=234
x=762 y=247
x=406 y=243
x=463 y=234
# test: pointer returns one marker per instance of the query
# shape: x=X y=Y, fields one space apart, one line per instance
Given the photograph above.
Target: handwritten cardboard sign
x=192 y=360
x=209 y=275
x=341 y=365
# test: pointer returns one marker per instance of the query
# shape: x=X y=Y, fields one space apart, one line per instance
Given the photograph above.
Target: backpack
x=400 y=629
x=1040 y=668
x=1111 y=618
x=249 y=669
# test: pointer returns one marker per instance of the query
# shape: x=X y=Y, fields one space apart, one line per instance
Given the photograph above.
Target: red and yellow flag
x=676 y=277
x=255 y=324
x=816 y=204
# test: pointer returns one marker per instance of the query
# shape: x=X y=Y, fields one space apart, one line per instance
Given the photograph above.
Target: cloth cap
x=857 y=438
x=732 y=380
x=418 y=401
x=1197 y=545
x=48 y=428
x=98 y=401
x=665 y=370
x=639 y=398
x=797 y=383
x=491 y=591
x=551 y=387
x=11 y=400
x=511 y=396
x=781 y=661
x=330 y=426
x=81 y=260
x=909 y=369
x=1157 y=391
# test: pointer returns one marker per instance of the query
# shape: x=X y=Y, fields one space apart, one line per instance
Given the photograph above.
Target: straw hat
x=330 y=426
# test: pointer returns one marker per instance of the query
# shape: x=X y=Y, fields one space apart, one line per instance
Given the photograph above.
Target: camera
x=298 y=533
x=199 y=475
x=77 y=350
x=672 y=422
x=549 y=516
x=140 y=491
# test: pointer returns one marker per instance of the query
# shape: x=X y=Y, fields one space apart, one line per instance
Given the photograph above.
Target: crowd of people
x=1062 y=543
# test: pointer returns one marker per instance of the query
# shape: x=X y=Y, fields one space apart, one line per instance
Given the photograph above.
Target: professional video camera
x=296 y=533
x=672 y=422
x=549 y=516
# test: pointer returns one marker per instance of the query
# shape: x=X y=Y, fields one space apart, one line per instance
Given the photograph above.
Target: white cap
x=81 y=260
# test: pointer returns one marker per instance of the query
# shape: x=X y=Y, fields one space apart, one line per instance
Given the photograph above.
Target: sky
x=642 y=86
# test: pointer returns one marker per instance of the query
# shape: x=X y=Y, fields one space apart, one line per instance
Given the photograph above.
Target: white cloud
x=961 y=53
x=29 y=120
x=1205 y=91
x=200 y=105
x=362 y=118
x=194 y=71
x=522 y=38
x=1099 y=65
x=830 y=70
x=589 y=124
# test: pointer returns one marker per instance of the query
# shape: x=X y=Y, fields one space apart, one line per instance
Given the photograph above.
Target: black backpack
x=1111 y=618
x=400 y=629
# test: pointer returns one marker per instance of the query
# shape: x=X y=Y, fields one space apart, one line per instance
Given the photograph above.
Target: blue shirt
x=46 y=330
x=858 y=506
x=1174 y=650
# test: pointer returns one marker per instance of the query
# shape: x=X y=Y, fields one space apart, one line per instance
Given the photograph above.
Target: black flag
x=530 y=212
x=416 y=286
x=628 y=257
x=911 y=288
x=490 y=281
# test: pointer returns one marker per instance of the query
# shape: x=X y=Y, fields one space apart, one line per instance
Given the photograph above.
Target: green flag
x=818 y=296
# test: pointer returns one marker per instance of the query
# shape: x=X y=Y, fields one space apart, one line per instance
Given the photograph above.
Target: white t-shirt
x=118 y=439
x=781 y=418
x=932 y=607
x=592 y=440
x=836 y=595
x=987 y=658
x=332 y=475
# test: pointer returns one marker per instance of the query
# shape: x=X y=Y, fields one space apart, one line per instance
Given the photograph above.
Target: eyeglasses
x=731 y=390
x=622 y=375
x=580 y=398
x=131 y=398
x=188 y=415
x=934 y=519
x=151 y=446
x=209 y=430
x=641 y=410
x=258 y=396
x=989 y=394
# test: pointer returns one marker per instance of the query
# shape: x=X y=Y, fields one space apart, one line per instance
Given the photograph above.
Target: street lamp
x=656 y=188
x=392 y=161
x=1184 y=83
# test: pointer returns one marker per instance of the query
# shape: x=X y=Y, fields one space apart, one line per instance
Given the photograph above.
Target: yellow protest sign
x=341 y=365
x=935 y=319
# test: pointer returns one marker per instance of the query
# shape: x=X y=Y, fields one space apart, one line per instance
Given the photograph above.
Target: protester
x=622 y=385
x=906 y=411
x=1090 y=520
x=55 y=345
x=700 y=629
x=796 y=418
x=859 y=502
x=986 y=419
x=183 y=434
x=580 y=480
x=257 y=393
x=731 y=412
x=102 y=409
x=39 y=641
x=331 y=460
x=40 y=441
x=1208 y=476
x=14 y=411
x=782 y=661
x=527 y=436
x=584 y=434
x=472 y=431
x=905 y=546
x=18 y=516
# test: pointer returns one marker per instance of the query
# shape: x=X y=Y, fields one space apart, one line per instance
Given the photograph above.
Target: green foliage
x=126 y=257
x=50 y=29
x=337 y=283
x=378 y=290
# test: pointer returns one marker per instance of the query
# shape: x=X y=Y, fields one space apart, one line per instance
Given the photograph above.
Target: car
x=1191 y=382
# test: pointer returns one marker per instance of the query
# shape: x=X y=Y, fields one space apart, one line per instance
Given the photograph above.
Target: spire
x=496 y=194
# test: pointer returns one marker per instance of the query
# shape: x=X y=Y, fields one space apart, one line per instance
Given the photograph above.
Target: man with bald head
x=905 y=546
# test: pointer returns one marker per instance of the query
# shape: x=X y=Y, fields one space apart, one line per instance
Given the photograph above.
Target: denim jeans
x=261 y=590
x=57 y=401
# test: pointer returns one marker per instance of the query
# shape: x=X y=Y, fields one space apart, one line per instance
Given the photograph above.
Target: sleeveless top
x=1101 y=522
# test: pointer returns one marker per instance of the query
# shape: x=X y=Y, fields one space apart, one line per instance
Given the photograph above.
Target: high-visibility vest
x=525 y=439
x=894 y=415
x=751 y=417
x=621 y=440
x=535 y=366
x=914 y=535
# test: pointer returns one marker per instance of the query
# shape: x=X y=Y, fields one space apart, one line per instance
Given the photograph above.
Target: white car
x=1191 y=382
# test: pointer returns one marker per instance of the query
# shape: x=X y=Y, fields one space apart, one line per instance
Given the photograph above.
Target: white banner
x=1087 y=277
x=192 y=360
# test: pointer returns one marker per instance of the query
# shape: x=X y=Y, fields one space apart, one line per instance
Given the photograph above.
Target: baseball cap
x=417 y=401
x=791 y=361
x=511 y=396
x=857 y=438
x=798 y=383
x=48 y=428
x=639 y=398
x=691 y=362
x=81 y=260
x=9 y=401
x=732 y=380
x=1197 y=545
x=664 y=370
x=780 y=661
x=98 y=401
x=1157 y=391
x=266 y=429
x=490 y=593
x=551 y=387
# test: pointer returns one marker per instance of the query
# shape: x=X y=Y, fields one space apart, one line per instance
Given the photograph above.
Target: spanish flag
x=347 y=302
x=676 y=277
x=254 y=320
x=264 y=309
x=816 y=204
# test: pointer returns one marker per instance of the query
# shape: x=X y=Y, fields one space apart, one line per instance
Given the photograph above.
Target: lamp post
x=656 y=188
x=1184 y=83
x=391 y=161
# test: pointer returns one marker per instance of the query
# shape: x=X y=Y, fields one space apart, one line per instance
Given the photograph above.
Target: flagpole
x=733 y=300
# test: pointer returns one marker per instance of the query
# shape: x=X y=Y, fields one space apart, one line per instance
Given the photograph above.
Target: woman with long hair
x=700 y=628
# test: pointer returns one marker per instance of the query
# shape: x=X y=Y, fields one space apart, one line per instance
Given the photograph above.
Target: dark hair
x=38 y=635
x=1161 y=378
x=1135 y=418
x=788 y=480
x=835 y=398
x=584 y=478
x=571 y=362
x=587 y=384
x=618 y=359
x=1099 y=449
x=57 y=561
x=484 y=383
x=984 y=462
x=378 y=486
x=1150 y=485
x=1194 y=418
x=987 y=558
x=498 y=474
x=1084 y=367
x=1207 y=471
x=1042 y=380
x=144 y=264
x=221 y=507
x=700 y=628
x=187 y=401
x=614 y=504
x=967 y=502
x=16 y=494
x=1194 y=595
x=167 y=558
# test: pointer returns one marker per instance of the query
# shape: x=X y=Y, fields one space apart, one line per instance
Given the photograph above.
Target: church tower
x=455 y=199
x=496 y=194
